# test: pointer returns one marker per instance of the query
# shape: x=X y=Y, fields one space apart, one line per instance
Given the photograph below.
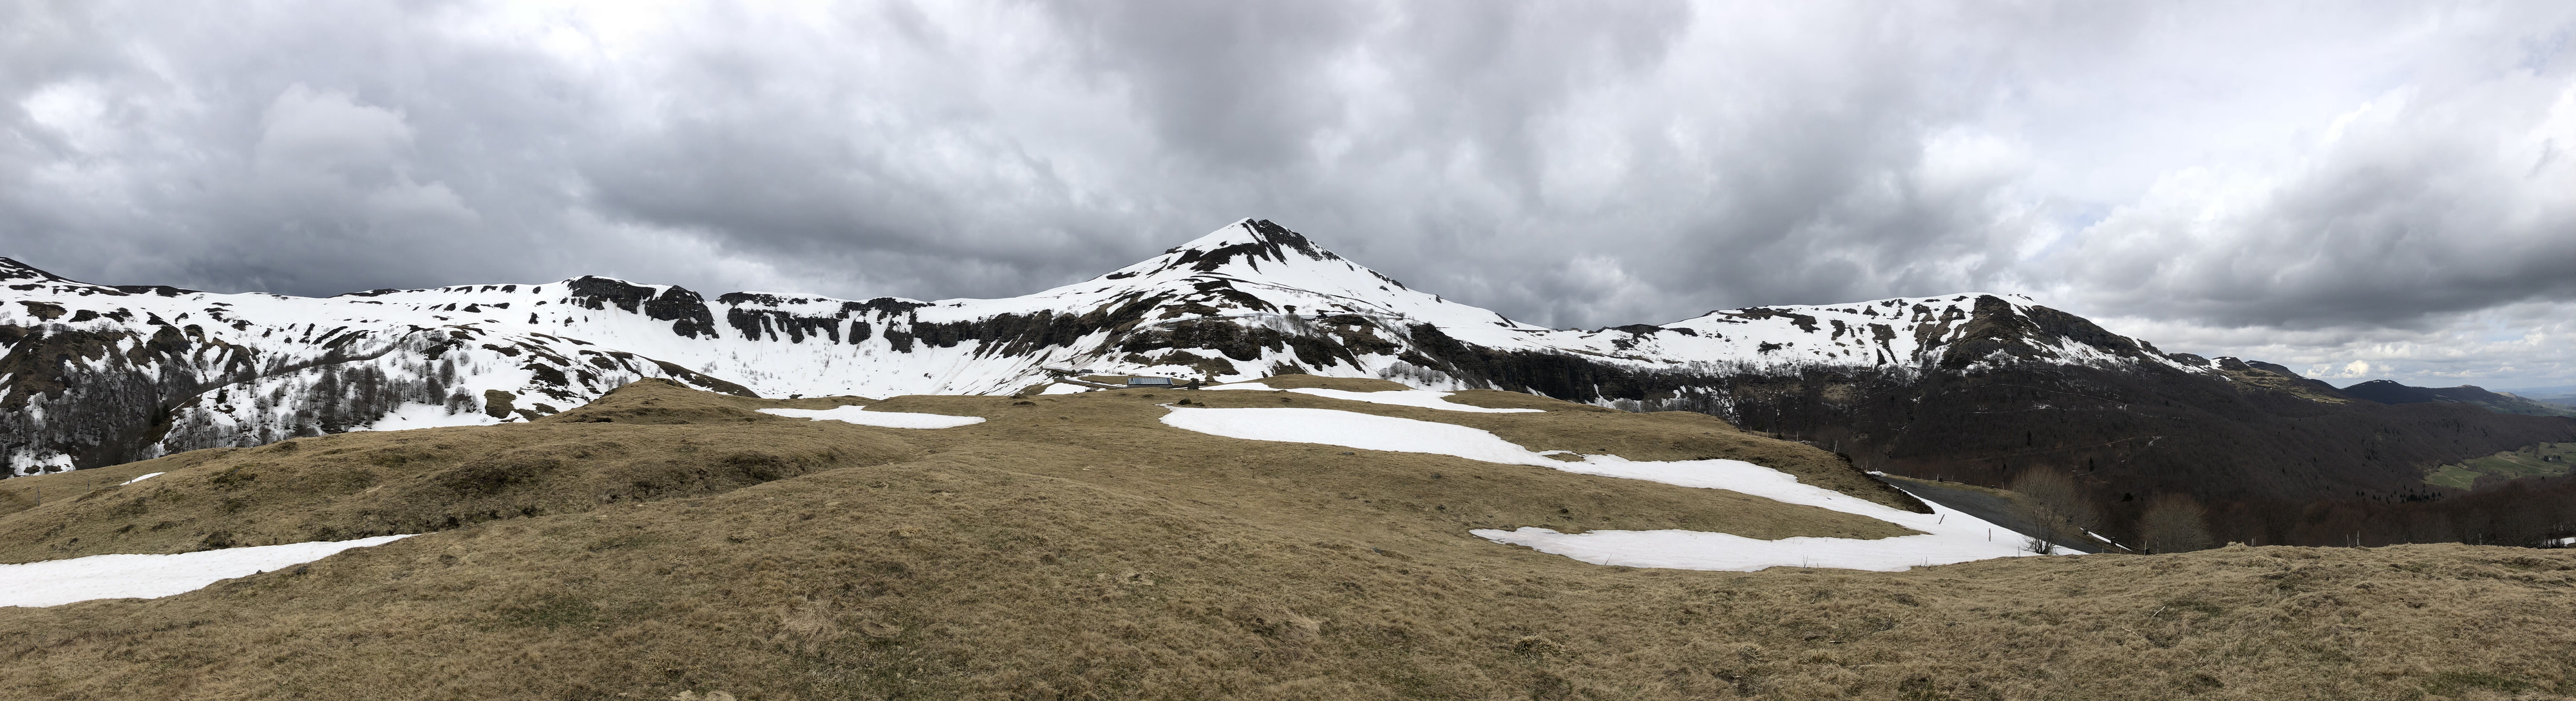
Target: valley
x=2536 y=460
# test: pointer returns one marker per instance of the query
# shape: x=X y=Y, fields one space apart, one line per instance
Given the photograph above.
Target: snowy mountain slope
x=98 y=375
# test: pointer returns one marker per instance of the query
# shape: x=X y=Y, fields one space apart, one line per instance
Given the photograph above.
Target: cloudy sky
x=2357 y=190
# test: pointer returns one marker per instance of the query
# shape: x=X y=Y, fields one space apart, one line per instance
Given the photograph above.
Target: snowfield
x=887 y=419
x=1422 y=398
x=58 y=582
x=1354 y=430
x=1947 y=536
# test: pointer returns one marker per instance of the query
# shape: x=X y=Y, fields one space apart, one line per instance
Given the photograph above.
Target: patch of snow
x=142 y=478
x=1945 y=536
x=887 y=419
x=1422 y=398
x=1062 y=388
x=58 y=582
x=1354 y=430
x=29 y=462
x=411 y=416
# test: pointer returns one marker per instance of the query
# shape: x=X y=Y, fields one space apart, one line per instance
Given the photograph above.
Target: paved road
x=1992 y=507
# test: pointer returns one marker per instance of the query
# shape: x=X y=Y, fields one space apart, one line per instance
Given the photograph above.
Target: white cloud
x=2375 y=184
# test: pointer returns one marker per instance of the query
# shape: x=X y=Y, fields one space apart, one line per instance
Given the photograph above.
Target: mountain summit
x=162 y=369
x=1969 y=386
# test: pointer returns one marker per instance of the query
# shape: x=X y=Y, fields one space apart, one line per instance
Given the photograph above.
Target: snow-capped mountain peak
x=1252 y=265
x=166 y=369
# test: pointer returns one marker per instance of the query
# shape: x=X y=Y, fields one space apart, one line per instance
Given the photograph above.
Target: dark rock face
x=13 y=271
x=56 y=393
x=687 y=312
x=103 y=384
x=770 y=324
x=1273 y=243
x=71 y=390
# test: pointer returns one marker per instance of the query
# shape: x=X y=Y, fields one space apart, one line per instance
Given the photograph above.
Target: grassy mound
x=1073 y=547
x=648 y=441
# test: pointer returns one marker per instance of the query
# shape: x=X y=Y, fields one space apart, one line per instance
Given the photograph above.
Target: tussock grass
x=355 y=485
x=1075 y=549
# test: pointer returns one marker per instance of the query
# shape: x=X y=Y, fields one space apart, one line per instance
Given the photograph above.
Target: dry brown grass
x=355 y=485
x=1074 y=549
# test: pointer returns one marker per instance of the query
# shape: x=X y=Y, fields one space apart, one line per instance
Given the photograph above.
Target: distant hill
x=2390 y=392
x=2562 y=395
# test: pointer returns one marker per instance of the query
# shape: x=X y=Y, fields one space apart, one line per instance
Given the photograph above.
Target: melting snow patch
x=888 y=419
x=1354 y=430
x=1423 y=398
x=1940 y=541
x=58 y=582
x=411 y=416
x=142 y=478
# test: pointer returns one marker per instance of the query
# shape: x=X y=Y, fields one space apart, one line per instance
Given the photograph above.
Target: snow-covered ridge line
x=134 y=372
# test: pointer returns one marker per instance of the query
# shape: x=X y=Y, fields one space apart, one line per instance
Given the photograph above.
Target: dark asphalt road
x=1994 y=508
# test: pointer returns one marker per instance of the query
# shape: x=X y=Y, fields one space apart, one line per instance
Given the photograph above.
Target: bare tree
x=2174 y=523
x=2054 y=506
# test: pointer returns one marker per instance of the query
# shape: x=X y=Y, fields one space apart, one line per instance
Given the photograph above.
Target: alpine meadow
x=1269 y=351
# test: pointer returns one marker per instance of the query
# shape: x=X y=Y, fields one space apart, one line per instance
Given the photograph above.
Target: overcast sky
x=2355 y=190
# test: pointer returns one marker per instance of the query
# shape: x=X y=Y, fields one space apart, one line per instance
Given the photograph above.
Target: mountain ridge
x=1248 y=300
x=2393 y=392
x=1967 y=386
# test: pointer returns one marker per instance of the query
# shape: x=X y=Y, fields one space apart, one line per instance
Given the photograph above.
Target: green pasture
x=2536 y=460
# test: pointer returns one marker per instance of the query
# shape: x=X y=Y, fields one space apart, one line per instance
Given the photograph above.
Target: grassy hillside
x=2535 y=460
x=663 y=541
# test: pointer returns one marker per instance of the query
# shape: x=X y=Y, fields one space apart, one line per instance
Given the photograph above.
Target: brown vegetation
x=2174 y=523
x=1072 y=547
x=653 y=440
x=2055 y=507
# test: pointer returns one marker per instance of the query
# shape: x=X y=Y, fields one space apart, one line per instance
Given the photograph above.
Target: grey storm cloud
x=2301 y=181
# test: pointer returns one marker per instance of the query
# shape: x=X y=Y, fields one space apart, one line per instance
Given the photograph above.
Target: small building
x=1149 y=383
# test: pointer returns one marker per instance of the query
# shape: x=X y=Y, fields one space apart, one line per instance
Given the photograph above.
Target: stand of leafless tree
x=2056 y=507
x=2174 y=523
